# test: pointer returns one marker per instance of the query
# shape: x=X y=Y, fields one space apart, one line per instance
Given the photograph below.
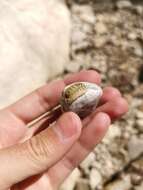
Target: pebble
x=132 y=36
x=82 y=184
x=95 y=178
x=138 y=51
x=137 y=166
x=139 y=114
x=136 y=179
x=123 y=184
x=135 y=147
x=72 y=67
x=140 y=107
x=113 y=133
x=139 y=9
x=139 y=124
x=100 y=41
x=100 y=63
x=85 y=13
x=140 y=187
x=122 y=4
x=72 y=180
x=78 y=37
x=88 y=162
x=100 y=28
x=80 y=40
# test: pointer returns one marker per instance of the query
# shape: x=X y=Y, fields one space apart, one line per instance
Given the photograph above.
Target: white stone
x=123 y=184
x=34 y=45
x=139 y=187
x=113 y=132
x=138 y=51
x=135 y=147
x=100 y=41
x=100 y=62
x=139 y=114
x=139 y=123
x=100 y=28
x=139 y=9
x=95 y=178
x=124 y=4
x=132 y=36
x=88 y=161
x=78 y=37
x=73 y=66
x=71 y=180
x=85 y=13
x=82 y=184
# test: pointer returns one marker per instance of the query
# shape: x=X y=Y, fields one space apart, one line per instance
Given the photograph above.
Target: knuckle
x=42 y=100
x=38 y=149
x=70 y=163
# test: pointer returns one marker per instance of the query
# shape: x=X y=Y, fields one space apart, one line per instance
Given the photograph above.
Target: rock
x=100 y=28
x=138 y=51
x=72 y=67
x=105 y=162
x=85 y=13
x=31 y=32
x=71 y=181
x=100 y=41
x=139 y=114
x=132 y=36
x=122 y=4
x=123 y=184
x=113 y=133
x=102 y=5
x=139 y=9
x=135 y=147
x=140 y=107
x=95 y=178
x=78 y=37
x=139 y=124
x=139 y=187
x=82 y=184
x=136 y=179
x=137 y=166
x=100 y=63
x=88 y=162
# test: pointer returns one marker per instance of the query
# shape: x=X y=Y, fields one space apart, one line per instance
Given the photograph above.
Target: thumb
x=40 y=152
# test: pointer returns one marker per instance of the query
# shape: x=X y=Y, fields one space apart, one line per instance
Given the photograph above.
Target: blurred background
x=107 y=35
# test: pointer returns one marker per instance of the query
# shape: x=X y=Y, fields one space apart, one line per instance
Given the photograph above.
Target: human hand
x=43 y=160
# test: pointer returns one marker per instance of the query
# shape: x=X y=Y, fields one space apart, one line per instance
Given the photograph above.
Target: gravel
x=108 y=36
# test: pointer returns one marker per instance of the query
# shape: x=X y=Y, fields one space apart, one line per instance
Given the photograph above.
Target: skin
x=30 y=161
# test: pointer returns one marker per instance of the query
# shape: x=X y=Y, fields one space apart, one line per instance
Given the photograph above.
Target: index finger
x=43 y=99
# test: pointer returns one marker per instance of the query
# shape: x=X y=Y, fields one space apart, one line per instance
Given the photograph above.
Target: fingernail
x=68 y=125
x=94 y=69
